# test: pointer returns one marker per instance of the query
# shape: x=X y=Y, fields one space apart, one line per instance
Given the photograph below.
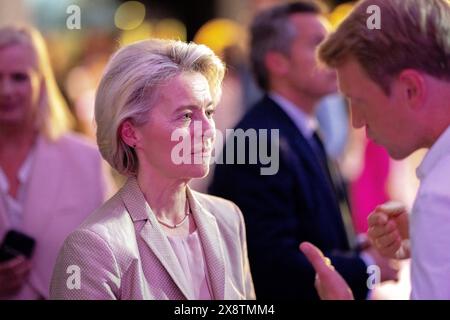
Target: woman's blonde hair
x=53 y=117
x=414 y=34
x=130 y=84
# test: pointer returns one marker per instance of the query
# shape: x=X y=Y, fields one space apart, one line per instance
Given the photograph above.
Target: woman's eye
x=187 y=116
x=210 y=113
x=20 y=77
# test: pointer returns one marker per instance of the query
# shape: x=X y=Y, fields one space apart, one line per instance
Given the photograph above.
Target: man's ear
x=276 y=63
x=129 y=133
x=414 y=88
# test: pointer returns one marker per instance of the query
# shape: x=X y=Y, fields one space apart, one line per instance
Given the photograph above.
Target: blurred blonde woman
x=156 y=238
x=50 y=179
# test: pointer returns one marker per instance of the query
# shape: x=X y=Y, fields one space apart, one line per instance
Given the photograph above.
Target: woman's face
x=178 y=138
x=19 y=86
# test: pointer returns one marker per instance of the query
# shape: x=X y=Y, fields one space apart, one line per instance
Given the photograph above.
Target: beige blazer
x=121 y=252
x=65 y=185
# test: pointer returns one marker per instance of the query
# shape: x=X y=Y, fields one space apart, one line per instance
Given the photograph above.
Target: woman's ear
x=129 y=133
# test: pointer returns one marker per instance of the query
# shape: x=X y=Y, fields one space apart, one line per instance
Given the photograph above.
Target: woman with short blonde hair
x=157 y=238
x=126 y=93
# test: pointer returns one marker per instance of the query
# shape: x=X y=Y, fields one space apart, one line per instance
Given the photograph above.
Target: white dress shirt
x=190 y=255
x=14 y=206
x=430 y=225
x=306 y=123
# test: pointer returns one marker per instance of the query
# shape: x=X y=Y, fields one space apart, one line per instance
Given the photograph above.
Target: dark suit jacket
x=296 y=204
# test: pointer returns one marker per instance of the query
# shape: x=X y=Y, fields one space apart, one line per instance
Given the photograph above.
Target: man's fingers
x=383 y=212
x=378 y=231
x=319 y=262
x=391 y=250
x=377 y=218
x=329 y=283
x=387 y=239
x=392 y=208
x=318 y=286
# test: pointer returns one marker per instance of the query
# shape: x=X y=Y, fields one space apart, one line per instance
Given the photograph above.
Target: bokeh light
x=144 y=31
x=339 y=13
x=219 y=34
x=170 y=29
x=129 y=15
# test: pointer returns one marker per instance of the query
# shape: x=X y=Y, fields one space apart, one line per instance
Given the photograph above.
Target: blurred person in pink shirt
x=50 y=179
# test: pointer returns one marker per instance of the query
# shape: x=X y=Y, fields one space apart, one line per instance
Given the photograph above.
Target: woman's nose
x=205 y=128
x=209 y=129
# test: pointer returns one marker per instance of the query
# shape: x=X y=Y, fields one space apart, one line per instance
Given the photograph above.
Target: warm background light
x=220 y=33
x=170 y=29
x=129 y=15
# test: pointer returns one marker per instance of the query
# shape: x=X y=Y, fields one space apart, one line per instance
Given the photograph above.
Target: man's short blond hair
x=414 y=34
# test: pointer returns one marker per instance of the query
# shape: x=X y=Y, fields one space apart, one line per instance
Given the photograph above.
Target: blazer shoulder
x=265 y=114
x=77 y=147
x=112 y=224
x=76 y=140
x=109 y=217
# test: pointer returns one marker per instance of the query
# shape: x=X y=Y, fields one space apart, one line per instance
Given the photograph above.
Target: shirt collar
x=438 y=150
x=4 y=185
x=305 y=123
x=25 y=169
x=22 y=175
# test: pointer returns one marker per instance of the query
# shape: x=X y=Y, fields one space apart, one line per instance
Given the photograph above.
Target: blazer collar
x=155 y=238
x=211 y=243
x=46 y=171
x=4 y=220
x=31 y=184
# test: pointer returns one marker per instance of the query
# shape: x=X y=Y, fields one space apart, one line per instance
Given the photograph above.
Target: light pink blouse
x=190 y=255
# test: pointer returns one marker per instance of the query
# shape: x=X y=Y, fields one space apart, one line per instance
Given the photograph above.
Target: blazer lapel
x=42 y=190
x=307 y=153
x=4 y=220
x=152 y=234
x=298 y=142
x=212 y=245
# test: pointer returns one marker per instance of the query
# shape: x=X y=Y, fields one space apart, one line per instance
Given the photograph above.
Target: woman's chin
x=201 y=171
x=196 y=171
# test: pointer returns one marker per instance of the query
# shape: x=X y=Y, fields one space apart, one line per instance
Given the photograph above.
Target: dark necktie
x=319 y=150
x=337 y=182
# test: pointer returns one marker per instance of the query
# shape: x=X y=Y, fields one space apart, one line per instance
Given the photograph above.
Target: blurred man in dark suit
x=304 y=200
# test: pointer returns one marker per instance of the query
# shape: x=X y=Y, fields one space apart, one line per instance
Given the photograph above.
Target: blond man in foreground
x=397 y=82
